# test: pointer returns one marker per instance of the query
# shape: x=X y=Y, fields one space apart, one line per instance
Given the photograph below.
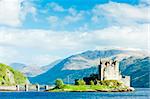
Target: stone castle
x=109 y=70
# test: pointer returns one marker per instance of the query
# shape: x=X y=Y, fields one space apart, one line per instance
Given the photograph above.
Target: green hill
x=9 y=76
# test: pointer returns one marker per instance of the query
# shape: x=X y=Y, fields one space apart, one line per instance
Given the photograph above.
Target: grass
x=19 y=78
x=83 y=88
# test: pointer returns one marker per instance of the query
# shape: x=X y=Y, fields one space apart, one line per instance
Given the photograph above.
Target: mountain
x=18 y=66
x=84 y=64
x=28 y=70
x=49 y=66
x=138 y=69
x=32 y=70
x=9 y=76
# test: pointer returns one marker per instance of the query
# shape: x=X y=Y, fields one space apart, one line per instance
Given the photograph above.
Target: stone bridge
x=26 y=88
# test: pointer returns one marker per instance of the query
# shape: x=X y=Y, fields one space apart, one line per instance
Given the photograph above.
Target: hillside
x=32 y=70
x=84 y=64
x=9 y=76
x=138 y=69
x=27 y=70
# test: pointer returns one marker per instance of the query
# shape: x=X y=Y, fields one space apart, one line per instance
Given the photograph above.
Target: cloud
x=121 y=14
x=41 y=60
x=53 y=21
x=34 y=43
x=145 y=2
x=136 y=36
x=28 y=8
x=10 y=12
x=132 y=36
x=7 y=54
x=128 y=28
x=73 y=16
x=35 y=38
x=72 y=11
x=69 y=19
x=13 y=12
x=56 y=7
x=102 y=15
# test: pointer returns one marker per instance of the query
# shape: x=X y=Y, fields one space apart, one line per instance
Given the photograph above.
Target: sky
x=38 y=32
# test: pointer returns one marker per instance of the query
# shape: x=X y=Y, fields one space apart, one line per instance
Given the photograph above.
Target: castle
x=109 y=70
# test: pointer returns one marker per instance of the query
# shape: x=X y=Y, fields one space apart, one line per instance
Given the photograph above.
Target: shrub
x=91 y=77
x=110 y=83
x=80 y=82
x=59 y=83
x=91 y=82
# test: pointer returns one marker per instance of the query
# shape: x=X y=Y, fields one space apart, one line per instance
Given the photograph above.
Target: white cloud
x=145 y=2
x=35 y=38
x=33 y=42
x=73 y=18
x=52 y=42
x=28 y=8
x=121 y=13
x=72 y=11
x=83 y=28
x=56 y=7
x=7 y=54
x=118 y=14
x=53 y=20
x=134 y=36
x=41 y=60
x=95 y=19
x=10 y=12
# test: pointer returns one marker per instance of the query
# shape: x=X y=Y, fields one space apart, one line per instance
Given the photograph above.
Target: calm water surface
x=142 y=93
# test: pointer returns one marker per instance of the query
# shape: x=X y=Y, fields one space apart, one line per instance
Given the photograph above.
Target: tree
x=91 y=82
x=59 y=83
x=110 y=83
x=80 y=82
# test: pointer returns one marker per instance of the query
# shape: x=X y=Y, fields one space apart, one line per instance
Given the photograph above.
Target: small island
x=108 y=79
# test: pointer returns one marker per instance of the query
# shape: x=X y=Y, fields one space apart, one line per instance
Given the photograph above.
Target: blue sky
x=41 y=31
x=60 y=8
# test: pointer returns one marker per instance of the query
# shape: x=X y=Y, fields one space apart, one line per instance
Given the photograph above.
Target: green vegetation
x=92 y=82
x=89 y=88
x=106 y=85
x=59 y=83
x=110 y=83
x=80 y=82
x=9 y=76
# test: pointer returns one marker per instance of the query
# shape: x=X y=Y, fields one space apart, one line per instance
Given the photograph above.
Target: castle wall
x=109 y=73
x=109 y=70
x=126 y=80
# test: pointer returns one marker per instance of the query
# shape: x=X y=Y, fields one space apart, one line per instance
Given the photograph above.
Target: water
x=143 y=93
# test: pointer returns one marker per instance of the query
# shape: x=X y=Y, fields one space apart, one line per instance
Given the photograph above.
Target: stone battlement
x=109 y=70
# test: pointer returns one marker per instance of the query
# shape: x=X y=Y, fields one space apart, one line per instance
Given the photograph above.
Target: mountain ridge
x=86 y=61
x=32 y=70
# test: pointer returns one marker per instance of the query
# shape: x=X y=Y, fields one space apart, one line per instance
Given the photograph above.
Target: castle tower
x=109 y=70
x=116 y=69
x=100 y=70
